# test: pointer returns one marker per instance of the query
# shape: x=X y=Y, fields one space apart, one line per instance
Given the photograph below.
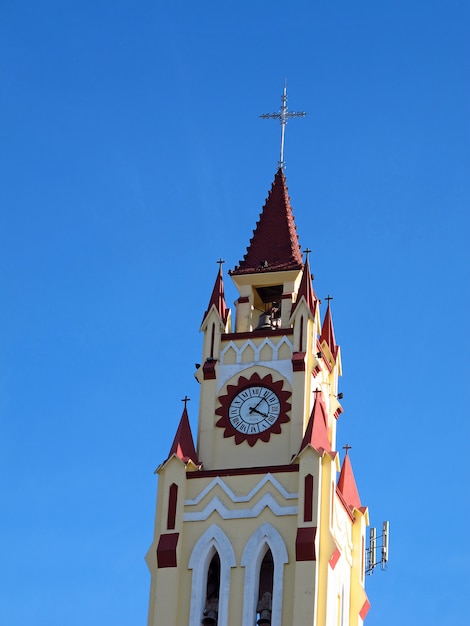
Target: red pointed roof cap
x=218 y=297
x=316 y=433
x=328 y=333
x=306 y=289
x=275 y=244
x=183 y=443
x=347 y=484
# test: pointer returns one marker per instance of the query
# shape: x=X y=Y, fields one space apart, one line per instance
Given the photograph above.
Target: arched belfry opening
x=264 y=558
x=265 y=590
x=211 y=605
x=211 y=561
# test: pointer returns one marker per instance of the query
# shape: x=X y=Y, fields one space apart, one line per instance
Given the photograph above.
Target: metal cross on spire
x=282 y=116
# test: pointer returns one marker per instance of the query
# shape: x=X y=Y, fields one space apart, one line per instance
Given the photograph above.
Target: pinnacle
x=347 y=484
x=183 y=443
x=328 y=333
x=306 y=289
x=218 y=298
x=316 y=433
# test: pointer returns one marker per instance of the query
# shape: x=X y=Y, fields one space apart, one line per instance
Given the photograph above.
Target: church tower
x=253 y=523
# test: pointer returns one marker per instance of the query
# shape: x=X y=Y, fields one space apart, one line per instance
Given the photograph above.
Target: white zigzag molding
x=269 y=478
x=225 y=513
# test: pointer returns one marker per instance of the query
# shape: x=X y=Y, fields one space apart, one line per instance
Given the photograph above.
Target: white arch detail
x=212 y=540
x=266 y=536
x=275 y=347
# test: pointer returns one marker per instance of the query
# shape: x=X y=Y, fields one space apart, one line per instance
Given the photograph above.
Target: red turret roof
x=218 y=298
x=316 y=433
x=275 y=244
x=347 y=485
x=306 y=290
x=328 y=333
x=183 y=443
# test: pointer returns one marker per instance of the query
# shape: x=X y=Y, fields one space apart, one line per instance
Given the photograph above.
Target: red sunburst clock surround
x=253 y=409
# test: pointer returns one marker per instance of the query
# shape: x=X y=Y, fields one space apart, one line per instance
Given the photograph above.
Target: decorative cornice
x=244 y=471
x=276 y=332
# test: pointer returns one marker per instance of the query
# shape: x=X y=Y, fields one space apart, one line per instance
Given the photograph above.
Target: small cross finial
x=307 y=252
x=220 y=262
x=347 y=447
x=185 y=400
x=283 y=115
x=328 y=298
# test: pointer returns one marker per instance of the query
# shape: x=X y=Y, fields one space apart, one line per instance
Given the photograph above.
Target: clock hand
x=253 y=408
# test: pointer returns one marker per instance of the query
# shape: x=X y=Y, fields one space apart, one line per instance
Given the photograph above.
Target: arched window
x=308 y=498
x=211 y=605
x=264 y=558
x=172 y=502
x=211 y=560
x=265 y=589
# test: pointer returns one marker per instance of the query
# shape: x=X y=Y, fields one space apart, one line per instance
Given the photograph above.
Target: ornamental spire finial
x=282 y=116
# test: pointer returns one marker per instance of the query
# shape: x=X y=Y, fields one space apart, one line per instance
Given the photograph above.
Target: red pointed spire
x=218 y=297
x=183 y=443
x=306 y=289
x=316 y=433
x=275 y=244
x=327 y=331
x=347 y=484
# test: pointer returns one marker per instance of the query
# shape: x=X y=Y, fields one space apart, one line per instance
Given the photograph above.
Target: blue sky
x=132 y=158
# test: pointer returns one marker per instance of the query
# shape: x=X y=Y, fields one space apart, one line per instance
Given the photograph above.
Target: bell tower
x=253 y=524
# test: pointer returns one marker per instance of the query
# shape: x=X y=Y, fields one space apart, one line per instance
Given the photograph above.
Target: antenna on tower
x=373 y=545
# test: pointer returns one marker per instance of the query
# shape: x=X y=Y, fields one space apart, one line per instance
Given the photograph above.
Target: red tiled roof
x=347 y=485
x=183 y=443
x=275 y=244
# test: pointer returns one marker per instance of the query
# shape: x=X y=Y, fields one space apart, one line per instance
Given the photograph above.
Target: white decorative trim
x=234 y=498
x=213 y=540
x=263 y=538
x=282 y=366
x=342 y=531
x=216 y=504
x=256 y=349
x=226 y=372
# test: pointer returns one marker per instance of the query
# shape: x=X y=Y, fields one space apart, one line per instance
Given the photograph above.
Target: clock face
x=253 y=409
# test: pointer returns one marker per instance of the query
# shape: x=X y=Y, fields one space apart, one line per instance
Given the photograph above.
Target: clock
x=253 y=409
